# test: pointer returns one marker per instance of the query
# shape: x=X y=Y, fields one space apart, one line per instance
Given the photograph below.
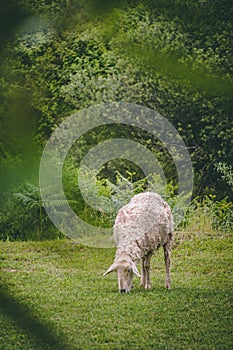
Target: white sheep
x=141 y=227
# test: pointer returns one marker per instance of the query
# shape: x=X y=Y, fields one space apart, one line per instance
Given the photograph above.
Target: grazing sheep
x=141 y=227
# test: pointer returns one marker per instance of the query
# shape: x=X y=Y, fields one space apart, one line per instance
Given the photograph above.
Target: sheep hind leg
x=167 y=254
x=143 y=273
x=147 y=270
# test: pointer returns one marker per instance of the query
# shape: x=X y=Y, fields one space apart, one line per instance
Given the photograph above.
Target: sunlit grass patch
x=53 y=296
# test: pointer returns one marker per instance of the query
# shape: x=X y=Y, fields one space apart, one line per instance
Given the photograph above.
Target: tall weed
x=207 y=215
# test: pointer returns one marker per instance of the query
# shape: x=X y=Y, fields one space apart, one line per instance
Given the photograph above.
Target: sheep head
x=125 y=269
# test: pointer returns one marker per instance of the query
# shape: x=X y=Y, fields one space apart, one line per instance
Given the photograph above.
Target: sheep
x=141 y=227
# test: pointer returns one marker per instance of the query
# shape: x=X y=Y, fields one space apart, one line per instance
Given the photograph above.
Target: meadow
x=64 y=58
x=53 y=296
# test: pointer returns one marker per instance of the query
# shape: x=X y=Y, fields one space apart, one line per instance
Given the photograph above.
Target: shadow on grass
x=43 y=335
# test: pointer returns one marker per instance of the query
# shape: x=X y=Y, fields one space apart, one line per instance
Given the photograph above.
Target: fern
x=30 y=196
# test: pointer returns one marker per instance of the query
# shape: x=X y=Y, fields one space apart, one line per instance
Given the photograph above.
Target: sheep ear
x=135 y=270
x=112 y=268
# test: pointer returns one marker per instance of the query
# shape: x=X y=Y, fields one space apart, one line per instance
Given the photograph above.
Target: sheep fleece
x=142 y=225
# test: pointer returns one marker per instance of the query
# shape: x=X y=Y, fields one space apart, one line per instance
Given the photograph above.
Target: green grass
x=53 y=296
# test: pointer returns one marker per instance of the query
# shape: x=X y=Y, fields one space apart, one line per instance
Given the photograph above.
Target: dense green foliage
x=62 y=56
x=53 y=296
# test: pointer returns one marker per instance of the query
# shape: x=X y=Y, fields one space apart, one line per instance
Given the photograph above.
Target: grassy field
x=53 y=296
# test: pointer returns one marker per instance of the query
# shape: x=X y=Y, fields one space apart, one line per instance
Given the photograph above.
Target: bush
x=23 y=216
x=208 y=214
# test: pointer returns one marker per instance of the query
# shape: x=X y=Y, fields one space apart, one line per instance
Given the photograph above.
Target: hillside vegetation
x=58 y=57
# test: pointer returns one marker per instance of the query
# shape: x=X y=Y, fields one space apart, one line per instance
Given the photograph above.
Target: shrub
x=208 y=214
x=23 y=216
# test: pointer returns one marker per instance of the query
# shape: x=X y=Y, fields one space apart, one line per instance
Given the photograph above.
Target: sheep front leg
x=147 y=270
x=167 y=253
